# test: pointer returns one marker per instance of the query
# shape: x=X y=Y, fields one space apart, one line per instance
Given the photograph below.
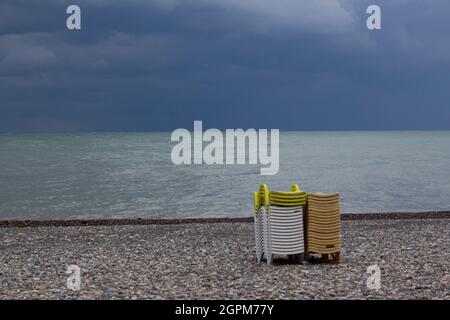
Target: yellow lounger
x=323 y=225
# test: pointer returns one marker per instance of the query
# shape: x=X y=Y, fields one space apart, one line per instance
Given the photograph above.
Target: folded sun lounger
x=323 y=225
x=279 y=222
x=259 y=227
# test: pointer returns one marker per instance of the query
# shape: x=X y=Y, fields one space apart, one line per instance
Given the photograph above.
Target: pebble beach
x=217 y=261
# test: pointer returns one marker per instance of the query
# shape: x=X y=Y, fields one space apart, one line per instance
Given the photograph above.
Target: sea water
x=131 y=175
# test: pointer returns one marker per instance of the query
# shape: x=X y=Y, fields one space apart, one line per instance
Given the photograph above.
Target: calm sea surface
x=105 y=175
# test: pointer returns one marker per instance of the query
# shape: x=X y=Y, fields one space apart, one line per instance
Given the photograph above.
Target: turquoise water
x=105 y=175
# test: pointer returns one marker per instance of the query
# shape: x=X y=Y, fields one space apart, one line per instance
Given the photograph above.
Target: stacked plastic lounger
x=259 y=227
x=260 y=219
x=281 y=214
x=323 y=226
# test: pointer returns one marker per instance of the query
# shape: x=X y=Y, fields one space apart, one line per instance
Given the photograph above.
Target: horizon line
x=169 y=131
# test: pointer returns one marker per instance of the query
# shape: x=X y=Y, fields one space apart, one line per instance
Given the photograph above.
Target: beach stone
x=217 y=261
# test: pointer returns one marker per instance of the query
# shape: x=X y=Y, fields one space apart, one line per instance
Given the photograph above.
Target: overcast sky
x=157 y=65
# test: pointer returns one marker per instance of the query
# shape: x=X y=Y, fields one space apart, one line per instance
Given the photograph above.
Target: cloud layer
x=159 y=65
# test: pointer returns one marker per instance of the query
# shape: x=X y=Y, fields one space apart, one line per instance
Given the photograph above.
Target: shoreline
x=163 y=221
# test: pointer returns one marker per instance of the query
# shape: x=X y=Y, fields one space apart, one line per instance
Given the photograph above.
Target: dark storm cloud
x=159 y=65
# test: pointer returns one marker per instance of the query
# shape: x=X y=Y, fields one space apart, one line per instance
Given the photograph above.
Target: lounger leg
x=335 y=258
x=338 y=254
